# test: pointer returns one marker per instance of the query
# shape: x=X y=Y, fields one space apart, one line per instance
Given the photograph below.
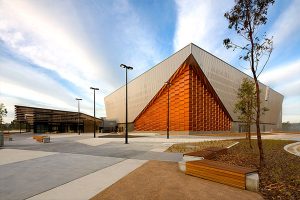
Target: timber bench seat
x=41 y=138
x=219 y=172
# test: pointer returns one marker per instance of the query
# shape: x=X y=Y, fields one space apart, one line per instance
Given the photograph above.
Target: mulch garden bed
x=279 y=179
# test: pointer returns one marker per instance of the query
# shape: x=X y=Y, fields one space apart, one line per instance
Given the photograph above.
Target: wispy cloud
x=282 y=74
x=40 y=40
x=24 y=85
x=34 y=35
x=287 y=26
x=202 y=23
x=66 y=47
x=291 y=109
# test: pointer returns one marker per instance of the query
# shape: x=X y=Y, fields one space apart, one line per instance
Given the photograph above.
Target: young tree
x=246 y=17
x=3 y=113
x=245 y=105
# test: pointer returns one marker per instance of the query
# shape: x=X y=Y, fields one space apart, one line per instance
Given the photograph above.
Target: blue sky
x=52 y=51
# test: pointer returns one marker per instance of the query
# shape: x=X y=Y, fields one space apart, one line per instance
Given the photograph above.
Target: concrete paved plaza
x=36 y=170
x=75 y=166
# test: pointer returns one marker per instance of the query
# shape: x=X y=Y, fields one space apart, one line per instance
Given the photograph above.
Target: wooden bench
x=39 y=138
x=219 y=172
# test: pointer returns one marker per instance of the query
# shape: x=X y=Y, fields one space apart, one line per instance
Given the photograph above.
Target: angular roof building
x=202 y=95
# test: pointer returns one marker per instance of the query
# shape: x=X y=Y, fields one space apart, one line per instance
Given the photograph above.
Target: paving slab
x=88 y=186
x=8 y=156
x=25 y=179
x=93 y=142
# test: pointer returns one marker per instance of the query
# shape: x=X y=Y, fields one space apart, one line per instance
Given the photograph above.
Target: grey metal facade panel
x=226 y=80
x=143 y=88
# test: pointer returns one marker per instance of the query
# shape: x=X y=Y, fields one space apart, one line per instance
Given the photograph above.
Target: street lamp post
x=92 y=88
x=126 y=133
x=168 y=84
x=78 y=129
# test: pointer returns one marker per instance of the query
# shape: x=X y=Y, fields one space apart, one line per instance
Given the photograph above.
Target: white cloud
x=282 y=74
x=38 y=37
x=287 y=25
x=22 y=85
x=34 y=35
x=201 y=22
x=291 y=109
x=34 y=32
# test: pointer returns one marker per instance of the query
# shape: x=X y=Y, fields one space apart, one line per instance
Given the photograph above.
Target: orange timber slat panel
x=193 y=105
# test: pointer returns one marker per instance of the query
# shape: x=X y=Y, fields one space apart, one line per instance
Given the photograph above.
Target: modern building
x=41 y=120
x=202 y=95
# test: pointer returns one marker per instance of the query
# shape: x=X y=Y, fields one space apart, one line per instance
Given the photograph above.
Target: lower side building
x=42 y=120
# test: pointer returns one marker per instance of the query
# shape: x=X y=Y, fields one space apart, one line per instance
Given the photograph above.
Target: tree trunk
x=249 y=135
x=259 y=141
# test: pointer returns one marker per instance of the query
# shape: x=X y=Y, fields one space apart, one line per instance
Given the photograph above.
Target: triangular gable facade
x=194 y=105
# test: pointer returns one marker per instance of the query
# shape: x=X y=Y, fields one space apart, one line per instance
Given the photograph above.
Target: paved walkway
x=293 y=148
x=67 y=168
x=78 y=166
x=282 y=136
x=89 y=185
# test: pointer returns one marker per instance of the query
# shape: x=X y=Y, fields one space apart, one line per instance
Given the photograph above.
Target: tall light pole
x=92 y=88
x=126 y=133
x=78 y=99
x=168 y=84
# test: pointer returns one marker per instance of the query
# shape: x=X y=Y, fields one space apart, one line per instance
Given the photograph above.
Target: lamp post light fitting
x=93 y=88
x=126 y=133
x=78 y=128
x=168 y=84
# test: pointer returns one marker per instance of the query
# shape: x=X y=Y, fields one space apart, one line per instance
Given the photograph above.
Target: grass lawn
x=279 y=179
